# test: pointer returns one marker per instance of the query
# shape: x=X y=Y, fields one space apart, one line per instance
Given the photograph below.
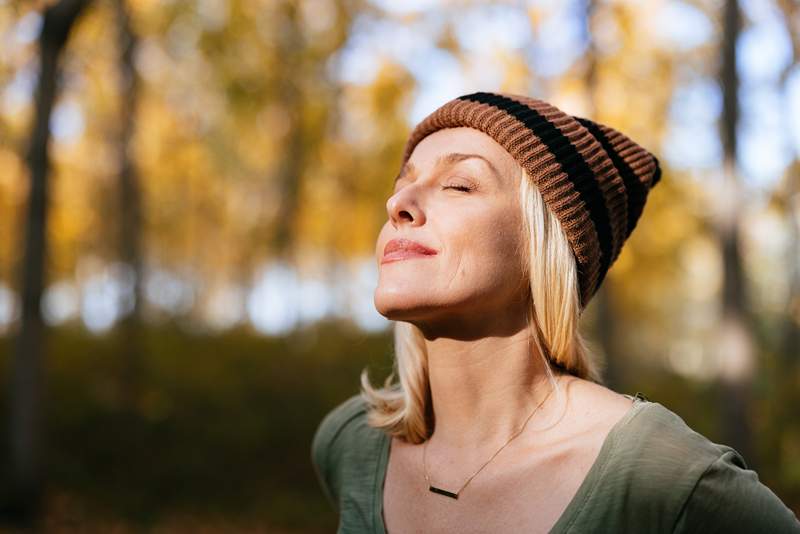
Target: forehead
x=461 y=139
x=450 y=145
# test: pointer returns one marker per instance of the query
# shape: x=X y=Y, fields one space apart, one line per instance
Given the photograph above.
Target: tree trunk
x=26 y=389
x=291 y=168
x=130 y=210
x=735 y=344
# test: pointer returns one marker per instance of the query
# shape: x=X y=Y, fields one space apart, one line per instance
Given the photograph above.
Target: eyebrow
x=449 y=159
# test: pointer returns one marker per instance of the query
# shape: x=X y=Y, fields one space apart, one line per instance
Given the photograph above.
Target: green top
x=653 y=474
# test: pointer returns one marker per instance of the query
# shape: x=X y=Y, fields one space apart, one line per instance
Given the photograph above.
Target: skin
x=469 y=300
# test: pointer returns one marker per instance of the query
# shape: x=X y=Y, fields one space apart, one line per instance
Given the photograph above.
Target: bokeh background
x=190 y=193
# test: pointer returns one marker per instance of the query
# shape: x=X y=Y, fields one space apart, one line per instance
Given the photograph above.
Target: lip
x=402 y=249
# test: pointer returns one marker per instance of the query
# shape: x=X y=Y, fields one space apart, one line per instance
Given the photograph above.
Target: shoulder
x=678 y=477
x=649 y=458
x=336 y=421
x=341 y=444
x=728 y=497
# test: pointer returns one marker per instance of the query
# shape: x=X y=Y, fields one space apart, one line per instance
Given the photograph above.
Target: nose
x=403 y=207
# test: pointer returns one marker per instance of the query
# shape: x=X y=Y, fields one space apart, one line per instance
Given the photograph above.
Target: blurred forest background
x=190 y=193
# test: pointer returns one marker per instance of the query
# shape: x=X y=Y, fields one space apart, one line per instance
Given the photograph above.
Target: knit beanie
x=593 y=178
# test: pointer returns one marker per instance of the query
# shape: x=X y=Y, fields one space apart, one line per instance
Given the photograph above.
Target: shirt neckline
x=573 y=509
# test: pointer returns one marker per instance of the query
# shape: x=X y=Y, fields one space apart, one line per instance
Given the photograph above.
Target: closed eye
x=464 y=188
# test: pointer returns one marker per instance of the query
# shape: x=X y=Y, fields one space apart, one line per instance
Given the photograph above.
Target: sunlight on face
x=457 y=197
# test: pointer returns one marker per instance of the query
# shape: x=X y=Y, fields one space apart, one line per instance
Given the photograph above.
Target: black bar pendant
x=441 y=491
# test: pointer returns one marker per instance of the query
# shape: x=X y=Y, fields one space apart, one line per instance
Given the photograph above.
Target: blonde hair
x=403 y=408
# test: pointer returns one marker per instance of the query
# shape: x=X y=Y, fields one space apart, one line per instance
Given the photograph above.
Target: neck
x=484 y=389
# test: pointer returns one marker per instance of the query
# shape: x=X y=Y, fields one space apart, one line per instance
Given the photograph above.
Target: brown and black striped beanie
x=592 y=177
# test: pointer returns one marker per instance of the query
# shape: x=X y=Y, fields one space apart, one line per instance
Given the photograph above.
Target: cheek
x=489 y=244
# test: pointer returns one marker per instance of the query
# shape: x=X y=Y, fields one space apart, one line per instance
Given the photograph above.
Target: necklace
x=455 y=495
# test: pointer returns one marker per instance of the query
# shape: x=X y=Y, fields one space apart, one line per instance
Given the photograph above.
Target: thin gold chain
x=425 y=448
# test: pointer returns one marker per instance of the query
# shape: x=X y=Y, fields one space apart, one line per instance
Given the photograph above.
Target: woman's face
x=458 y=196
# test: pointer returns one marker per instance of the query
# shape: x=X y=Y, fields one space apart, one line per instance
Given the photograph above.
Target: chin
x=397 y=307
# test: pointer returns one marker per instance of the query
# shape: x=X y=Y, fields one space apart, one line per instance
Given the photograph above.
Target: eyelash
x=464 y=188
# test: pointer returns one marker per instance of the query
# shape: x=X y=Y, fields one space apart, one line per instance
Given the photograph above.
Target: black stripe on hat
x=571 y=161
x=657 y=172
x=635 y=189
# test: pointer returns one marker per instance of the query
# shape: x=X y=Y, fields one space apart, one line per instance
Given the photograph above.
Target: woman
x=503 y=222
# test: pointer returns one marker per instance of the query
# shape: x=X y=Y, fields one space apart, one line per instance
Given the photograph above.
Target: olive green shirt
x=653 y=474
